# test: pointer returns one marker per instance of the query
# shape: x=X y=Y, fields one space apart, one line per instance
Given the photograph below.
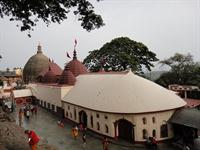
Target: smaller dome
x=67 y=77
x=54 y=67
x=50 y=77
x=76 y=67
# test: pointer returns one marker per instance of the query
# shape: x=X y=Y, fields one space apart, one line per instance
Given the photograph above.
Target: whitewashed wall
x=136 y=119
x=49 y=94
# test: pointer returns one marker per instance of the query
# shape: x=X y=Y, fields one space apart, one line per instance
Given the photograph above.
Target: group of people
x=25 y=111
x=82 y=128
x=61 y=124
x=28 y=109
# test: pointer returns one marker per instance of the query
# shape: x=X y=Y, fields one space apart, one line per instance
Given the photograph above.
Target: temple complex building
x=114 y=104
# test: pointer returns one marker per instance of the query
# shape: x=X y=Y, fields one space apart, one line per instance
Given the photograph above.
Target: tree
x=28 y=12
x=183 y=71
x=1 y=83
x=120 y=54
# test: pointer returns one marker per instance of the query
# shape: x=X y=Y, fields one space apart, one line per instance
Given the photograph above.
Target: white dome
x=121 y=93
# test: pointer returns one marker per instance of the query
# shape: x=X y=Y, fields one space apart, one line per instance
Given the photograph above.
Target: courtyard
x=45 y=125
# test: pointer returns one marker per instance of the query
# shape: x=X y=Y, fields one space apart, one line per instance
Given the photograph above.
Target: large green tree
x=183 y=71
x=120 y=54
x=28 y=12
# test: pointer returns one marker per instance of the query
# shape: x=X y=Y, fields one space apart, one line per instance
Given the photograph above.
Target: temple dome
x=35 y=65
x=76 y=67
x=67 y=77
x=50 y=76
x=54 y=68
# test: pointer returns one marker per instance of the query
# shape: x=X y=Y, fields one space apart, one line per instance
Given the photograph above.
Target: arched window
x=144 y=120
x=106 y=128
x=98 y=126
x=53 y=107
x=97 y=115
x=153 y=119
x=74 y=113
x=91 y=121
x=70 y=115
x=48 y=105
x=154 y=133
x=144 y=134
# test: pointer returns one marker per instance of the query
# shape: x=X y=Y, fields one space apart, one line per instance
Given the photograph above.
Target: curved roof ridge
x=127 y=93
x=67 y=77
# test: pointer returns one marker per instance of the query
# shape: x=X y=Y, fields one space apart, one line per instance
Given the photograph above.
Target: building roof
x=187 y=117
x=8 y=73
x=3 y=78
x=121 y=93
x=54 y=67
x=22 y=93
x=35 y=65
x=76 y=67
x=67 y=77
x=192 y=103
x=50 y=76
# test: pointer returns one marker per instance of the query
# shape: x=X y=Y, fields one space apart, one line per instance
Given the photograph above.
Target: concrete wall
x=54 y=94
x=108 y=119
x=49 y=94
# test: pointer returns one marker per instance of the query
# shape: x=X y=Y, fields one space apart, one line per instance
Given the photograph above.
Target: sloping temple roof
x=187 y=117
x=121 y=93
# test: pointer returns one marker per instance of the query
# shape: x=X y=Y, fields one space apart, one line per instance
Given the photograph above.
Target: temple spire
x=39 y=48
x=75 y=54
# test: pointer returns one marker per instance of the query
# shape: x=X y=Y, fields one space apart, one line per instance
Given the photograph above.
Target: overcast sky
x=164 y=26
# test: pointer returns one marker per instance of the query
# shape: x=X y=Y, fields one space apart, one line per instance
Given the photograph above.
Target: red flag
x=75 y=43
x=68 y=55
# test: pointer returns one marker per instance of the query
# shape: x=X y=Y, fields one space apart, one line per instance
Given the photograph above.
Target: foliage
x=1 y=83
x=183 y=71
x=120 y=54
x=28 y=12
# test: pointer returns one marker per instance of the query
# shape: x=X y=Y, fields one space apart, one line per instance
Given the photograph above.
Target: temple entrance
x=83 y=118
x=125 y=130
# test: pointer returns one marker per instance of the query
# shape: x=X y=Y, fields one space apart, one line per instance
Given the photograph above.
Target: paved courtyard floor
x=45 y=125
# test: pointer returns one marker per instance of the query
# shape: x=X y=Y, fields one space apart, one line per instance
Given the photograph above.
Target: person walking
x=27 y=113
x=105 y=143
x=74 y=133
x=32 y=109
x=21 y=113
x=33 y=139
x=154 y=143
x=35 y=110
x=84 y=140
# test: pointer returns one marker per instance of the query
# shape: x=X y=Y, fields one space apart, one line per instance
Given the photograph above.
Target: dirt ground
x=12 y=136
